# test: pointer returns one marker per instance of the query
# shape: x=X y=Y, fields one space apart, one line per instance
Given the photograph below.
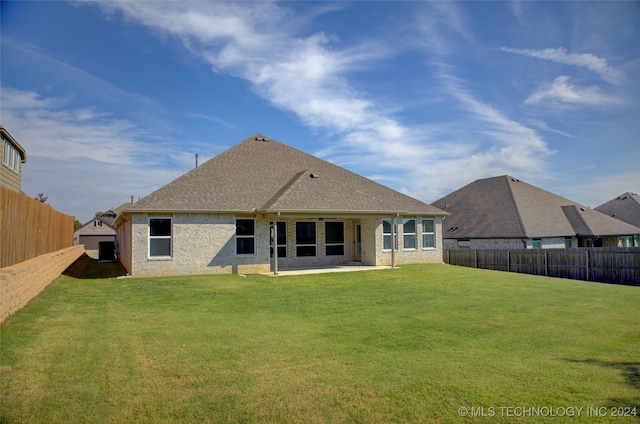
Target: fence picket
x=611 y=265
x=29 y=228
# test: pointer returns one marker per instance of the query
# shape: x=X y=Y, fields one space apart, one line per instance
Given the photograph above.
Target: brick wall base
x=23 y=281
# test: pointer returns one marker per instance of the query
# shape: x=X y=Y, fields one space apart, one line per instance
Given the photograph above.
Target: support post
x=393 y=242
x=275 y=243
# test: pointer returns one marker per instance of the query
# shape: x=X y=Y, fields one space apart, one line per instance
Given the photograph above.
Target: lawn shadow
x=86 y=267
x=631 y=373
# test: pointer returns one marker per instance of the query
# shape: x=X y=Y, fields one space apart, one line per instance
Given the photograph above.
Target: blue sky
x=114 y=99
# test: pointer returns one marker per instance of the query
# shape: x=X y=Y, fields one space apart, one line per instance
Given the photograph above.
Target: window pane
x=160 y=247
x=245 y=246
x=282 y=233
x=306 y=233
x=160 y=227
x=409 y=226
x=245 y=227
x=306 y=250
x=427 y=226
x=410 y=241
x=334 y=232
x=386 y=226
x=337 y=250
x=386 y=242
x=428 y=240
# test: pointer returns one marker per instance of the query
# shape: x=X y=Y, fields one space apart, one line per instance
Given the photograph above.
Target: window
x=245 y=237
x=428 y=234
x=305 y=239
x=281 y=239
x=567 y=243
x=334 y=238
x=464 y=244
x=159 y=237
x=536 y=244
x=11 y=156
x=409 y=233
x=386 y=234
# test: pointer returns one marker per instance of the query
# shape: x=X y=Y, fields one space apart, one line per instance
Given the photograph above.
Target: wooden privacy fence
x=608 y=265
x=29 y=228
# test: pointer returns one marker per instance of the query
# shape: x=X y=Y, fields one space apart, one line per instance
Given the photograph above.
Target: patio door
x=357 y=254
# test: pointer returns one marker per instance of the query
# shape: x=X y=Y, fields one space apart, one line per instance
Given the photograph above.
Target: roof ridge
x=515 y=203
x=278 y=194
x=577 y=222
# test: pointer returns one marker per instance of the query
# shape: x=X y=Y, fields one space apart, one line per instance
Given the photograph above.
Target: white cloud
x=561 y=90
x=586 y=60
x=84 y=159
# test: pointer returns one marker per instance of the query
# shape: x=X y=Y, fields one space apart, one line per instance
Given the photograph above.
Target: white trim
x=255 y=247
x=150 y=237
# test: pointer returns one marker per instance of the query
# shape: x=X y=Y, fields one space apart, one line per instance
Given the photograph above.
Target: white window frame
x=246 y=236
x=327 y=244
x=414 y=234
x=11 y=157
x=169 y=237
x=388 y=235
x=314 y=245
x=426 y=233
x=273 y=227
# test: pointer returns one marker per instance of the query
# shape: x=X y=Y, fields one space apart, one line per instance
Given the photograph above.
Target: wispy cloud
x=53 y=128
x=587 y=60
x=211 y=118
x=562 y=91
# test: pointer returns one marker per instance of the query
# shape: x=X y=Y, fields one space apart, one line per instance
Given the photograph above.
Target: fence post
x=508 y=261
x=587 y=265
x=546 y=263
x=475 y=258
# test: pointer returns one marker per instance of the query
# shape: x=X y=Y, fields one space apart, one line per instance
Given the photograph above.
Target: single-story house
x=625 y=207
x=506 y=213
x=261 y=205
x=98 y=229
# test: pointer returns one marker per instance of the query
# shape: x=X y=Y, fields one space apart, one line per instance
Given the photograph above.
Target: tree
x=76 y=224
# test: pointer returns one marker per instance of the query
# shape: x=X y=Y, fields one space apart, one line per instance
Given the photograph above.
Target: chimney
x=197 y=156
x=132 y=200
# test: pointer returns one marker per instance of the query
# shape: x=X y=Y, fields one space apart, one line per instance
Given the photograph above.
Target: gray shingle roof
x=263 y=175
x=625 y=207
x=505 y=207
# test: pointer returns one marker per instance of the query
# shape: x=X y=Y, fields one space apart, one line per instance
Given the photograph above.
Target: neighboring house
x=13 y=156
x=98 y=229
x=225 y=216
x=625 y=207
x=506 y=213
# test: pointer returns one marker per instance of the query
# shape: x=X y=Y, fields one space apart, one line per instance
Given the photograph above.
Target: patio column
x=393 y=241
x=275 y=243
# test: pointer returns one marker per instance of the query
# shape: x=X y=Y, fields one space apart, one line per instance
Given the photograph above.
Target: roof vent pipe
x=197 y=157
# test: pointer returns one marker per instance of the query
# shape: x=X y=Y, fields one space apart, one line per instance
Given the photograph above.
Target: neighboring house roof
x=262 y=175
x=5 y=135
x=91 y=229
x=505 y=207
x=625 y=207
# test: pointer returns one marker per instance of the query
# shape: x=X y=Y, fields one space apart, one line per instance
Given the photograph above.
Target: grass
x=414 y=344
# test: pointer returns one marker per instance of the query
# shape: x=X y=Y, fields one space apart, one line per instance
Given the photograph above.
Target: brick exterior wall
x=23 y=281
x=206 y=244
x=511 y=244
x=404 y=256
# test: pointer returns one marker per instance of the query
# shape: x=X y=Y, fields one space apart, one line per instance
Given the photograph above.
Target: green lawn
x=414 y=344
